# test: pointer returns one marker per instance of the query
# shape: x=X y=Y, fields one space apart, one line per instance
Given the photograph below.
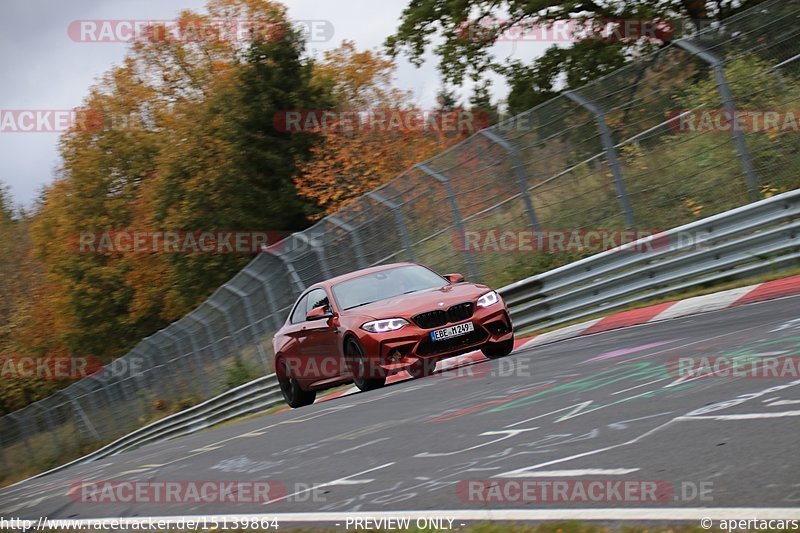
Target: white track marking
x=361 y=445
x=637 y=386
x=783 y=402
x=523 y=472
x=743 y=416
x=507 y=434
x=623 y=424
x=341 y=481
x=568 y=332
x=578 y=472
x=702 y=304
x=573 y=407
x=638 y=514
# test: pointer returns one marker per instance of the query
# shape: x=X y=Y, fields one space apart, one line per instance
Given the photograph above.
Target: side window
x=317 y=298
x=299 y=314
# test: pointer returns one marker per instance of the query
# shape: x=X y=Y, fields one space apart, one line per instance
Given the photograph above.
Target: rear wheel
x=359 y=366
x=496 y=350
x=294 y=395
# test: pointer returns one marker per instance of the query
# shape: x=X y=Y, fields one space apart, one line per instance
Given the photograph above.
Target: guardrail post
x=729 y=104
x=399 y=220
x=611 y=154
x=519 y=173
x=276 y=321
x=298 y=283
x=457 y=220
x=361 y=259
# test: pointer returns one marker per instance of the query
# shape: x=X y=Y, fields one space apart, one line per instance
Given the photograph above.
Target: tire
x=496 y=350
x=422 y=368
x=357 y=362
x=294 y=395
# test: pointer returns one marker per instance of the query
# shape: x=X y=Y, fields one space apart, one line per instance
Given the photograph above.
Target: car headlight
x=490 y=298
x=382 y=326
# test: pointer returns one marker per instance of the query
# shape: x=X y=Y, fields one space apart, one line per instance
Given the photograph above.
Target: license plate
x=452 y=331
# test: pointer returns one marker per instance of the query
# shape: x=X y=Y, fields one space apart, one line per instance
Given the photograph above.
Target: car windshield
x=385 y=284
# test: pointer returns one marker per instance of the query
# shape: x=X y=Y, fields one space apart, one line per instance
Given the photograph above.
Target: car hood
x=408 y=305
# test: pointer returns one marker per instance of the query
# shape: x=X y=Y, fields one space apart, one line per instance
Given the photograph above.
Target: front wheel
x=496 y=350
x=360 y=368
x=294 y=395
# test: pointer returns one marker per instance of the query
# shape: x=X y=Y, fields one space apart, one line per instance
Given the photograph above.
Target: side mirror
x=319 y=313
x=454 y=278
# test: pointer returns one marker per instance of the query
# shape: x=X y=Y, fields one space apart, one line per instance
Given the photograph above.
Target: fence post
x=81 y=415
x=457 y=221
x=361 y=259
x=323 y=261
x=399 y=220
x=519 y=173
x=50 y=425
x=276 y=321
x=299 y=285
x=224 y=312
x=90 y=394
x=192 y=354
x=611 y=153
x=251 y=318
x=730 y=107
x=209 y=337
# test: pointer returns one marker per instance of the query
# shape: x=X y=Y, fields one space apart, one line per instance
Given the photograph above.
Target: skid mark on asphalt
x=523 y=472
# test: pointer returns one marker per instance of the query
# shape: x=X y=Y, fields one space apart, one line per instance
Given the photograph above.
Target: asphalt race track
x=598 y=408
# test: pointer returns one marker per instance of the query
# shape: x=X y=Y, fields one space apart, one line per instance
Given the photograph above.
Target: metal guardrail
x=749 y=240
x=252 y=397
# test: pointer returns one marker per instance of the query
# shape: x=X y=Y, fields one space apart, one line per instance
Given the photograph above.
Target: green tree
x=466 y=45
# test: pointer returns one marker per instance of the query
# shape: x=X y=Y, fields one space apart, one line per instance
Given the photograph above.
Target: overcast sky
x=44 y=69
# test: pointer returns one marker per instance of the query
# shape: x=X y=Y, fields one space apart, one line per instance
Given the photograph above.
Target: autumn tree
x=378 y=132
x=182 y=141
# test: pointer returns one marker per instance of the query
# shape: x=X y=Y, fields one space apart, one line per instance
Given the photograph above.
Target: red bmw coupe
x=369 y=324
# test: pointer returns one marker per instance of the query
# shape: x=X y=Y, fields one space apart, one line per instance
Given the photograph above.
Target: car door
x=294 y=333
x=320 y=338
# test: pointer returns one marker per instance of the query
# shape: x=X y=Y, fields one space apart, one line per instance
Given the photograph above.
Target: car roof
x=350 y=275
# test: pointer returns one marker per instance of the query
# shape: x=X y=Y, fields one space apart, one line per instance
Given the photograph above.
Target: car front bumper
x=395 y=351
